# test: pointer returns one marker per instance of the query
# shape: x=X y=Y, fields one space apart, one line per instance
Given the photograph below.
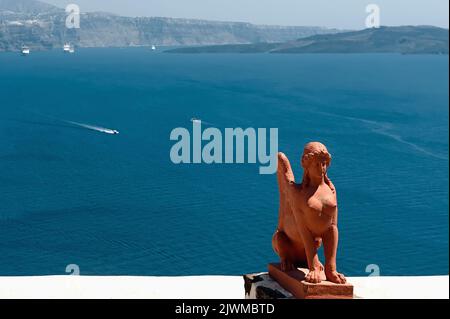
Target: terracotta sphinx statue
x=308 y=216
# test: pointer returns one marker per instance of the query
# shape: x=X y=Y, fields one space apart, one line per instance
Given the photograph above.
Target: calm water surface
x=117 y=205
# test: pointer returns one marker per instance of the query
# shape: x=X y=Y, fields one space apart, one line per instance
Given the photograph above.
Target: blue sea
x=117 y=205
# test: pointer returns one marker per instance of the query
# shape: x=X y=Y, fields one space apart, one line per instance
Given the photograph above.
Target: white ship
x=153 y=47
x=25 y=50
x=68 y=48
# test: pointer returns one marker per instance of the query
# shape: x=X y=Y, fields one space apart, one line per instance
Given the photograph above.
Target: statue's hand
x=335 y=277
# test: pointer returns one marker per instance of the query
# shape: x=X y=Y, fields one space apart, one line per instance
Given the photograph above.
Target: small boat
x=153 y=47
x=25 y=50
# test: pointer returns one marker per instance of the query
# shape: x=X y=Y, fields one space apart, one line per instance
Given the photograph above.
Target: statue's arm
x=312 y=257
x=330 y=245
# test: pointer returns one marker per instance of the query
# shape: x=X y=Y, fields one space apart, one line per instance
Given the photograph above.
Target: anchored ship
x=68 y=48
x=25 y=50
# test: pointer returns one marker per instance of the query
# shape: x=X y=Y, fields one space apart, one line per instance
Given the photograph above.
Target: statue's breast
x=329 y=206
x=320 y=211
x=315 y=205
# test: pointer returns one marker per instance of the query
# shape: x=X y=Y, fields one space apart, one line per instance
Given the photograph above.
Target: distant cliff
x=404 y=40
x=42 y=26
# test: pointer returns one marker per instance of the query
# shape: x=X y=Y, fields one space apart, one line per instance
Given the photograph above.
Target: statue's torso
x=317 y=208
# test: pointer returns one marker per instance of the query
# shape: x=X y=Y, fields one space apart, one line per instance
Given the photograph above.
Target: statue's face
x=316 y=159
x=318 y=167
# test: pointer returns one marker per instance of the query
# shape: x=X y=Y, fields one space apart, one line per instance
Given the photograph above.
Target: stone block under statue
x=294 y=282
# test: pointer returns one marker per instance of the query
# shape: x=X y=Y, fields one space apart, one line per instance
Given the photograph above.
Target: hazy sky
x=329 y=13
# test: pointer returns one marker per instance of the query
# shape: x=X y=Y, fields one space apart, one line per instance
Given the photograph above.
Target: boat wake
x=76 y=124
x=94 y=128
x=384 y=129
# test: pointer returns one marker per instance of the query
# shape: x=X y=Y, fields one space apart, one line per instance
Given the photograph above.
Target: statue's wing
x=284 y=171
x=286 y=182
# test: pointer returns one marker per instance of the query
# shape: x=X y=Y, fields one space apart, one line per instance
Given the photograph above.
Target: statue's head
x=315 y=161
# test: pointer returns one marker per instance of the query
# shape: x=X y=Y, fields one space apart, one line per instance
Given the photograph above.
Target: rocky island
x=404 y=40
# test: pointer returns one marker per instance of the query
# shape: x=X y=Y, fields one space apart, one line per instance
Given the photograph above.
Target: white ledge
x=200 y=287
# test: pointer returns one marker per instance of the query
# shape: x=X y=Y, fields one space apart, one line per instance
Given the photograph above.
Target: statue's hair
x=311 y=152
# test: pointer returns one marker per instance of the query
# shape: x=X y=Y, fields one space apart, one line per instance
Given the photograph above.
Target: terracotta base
x=294 y=282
